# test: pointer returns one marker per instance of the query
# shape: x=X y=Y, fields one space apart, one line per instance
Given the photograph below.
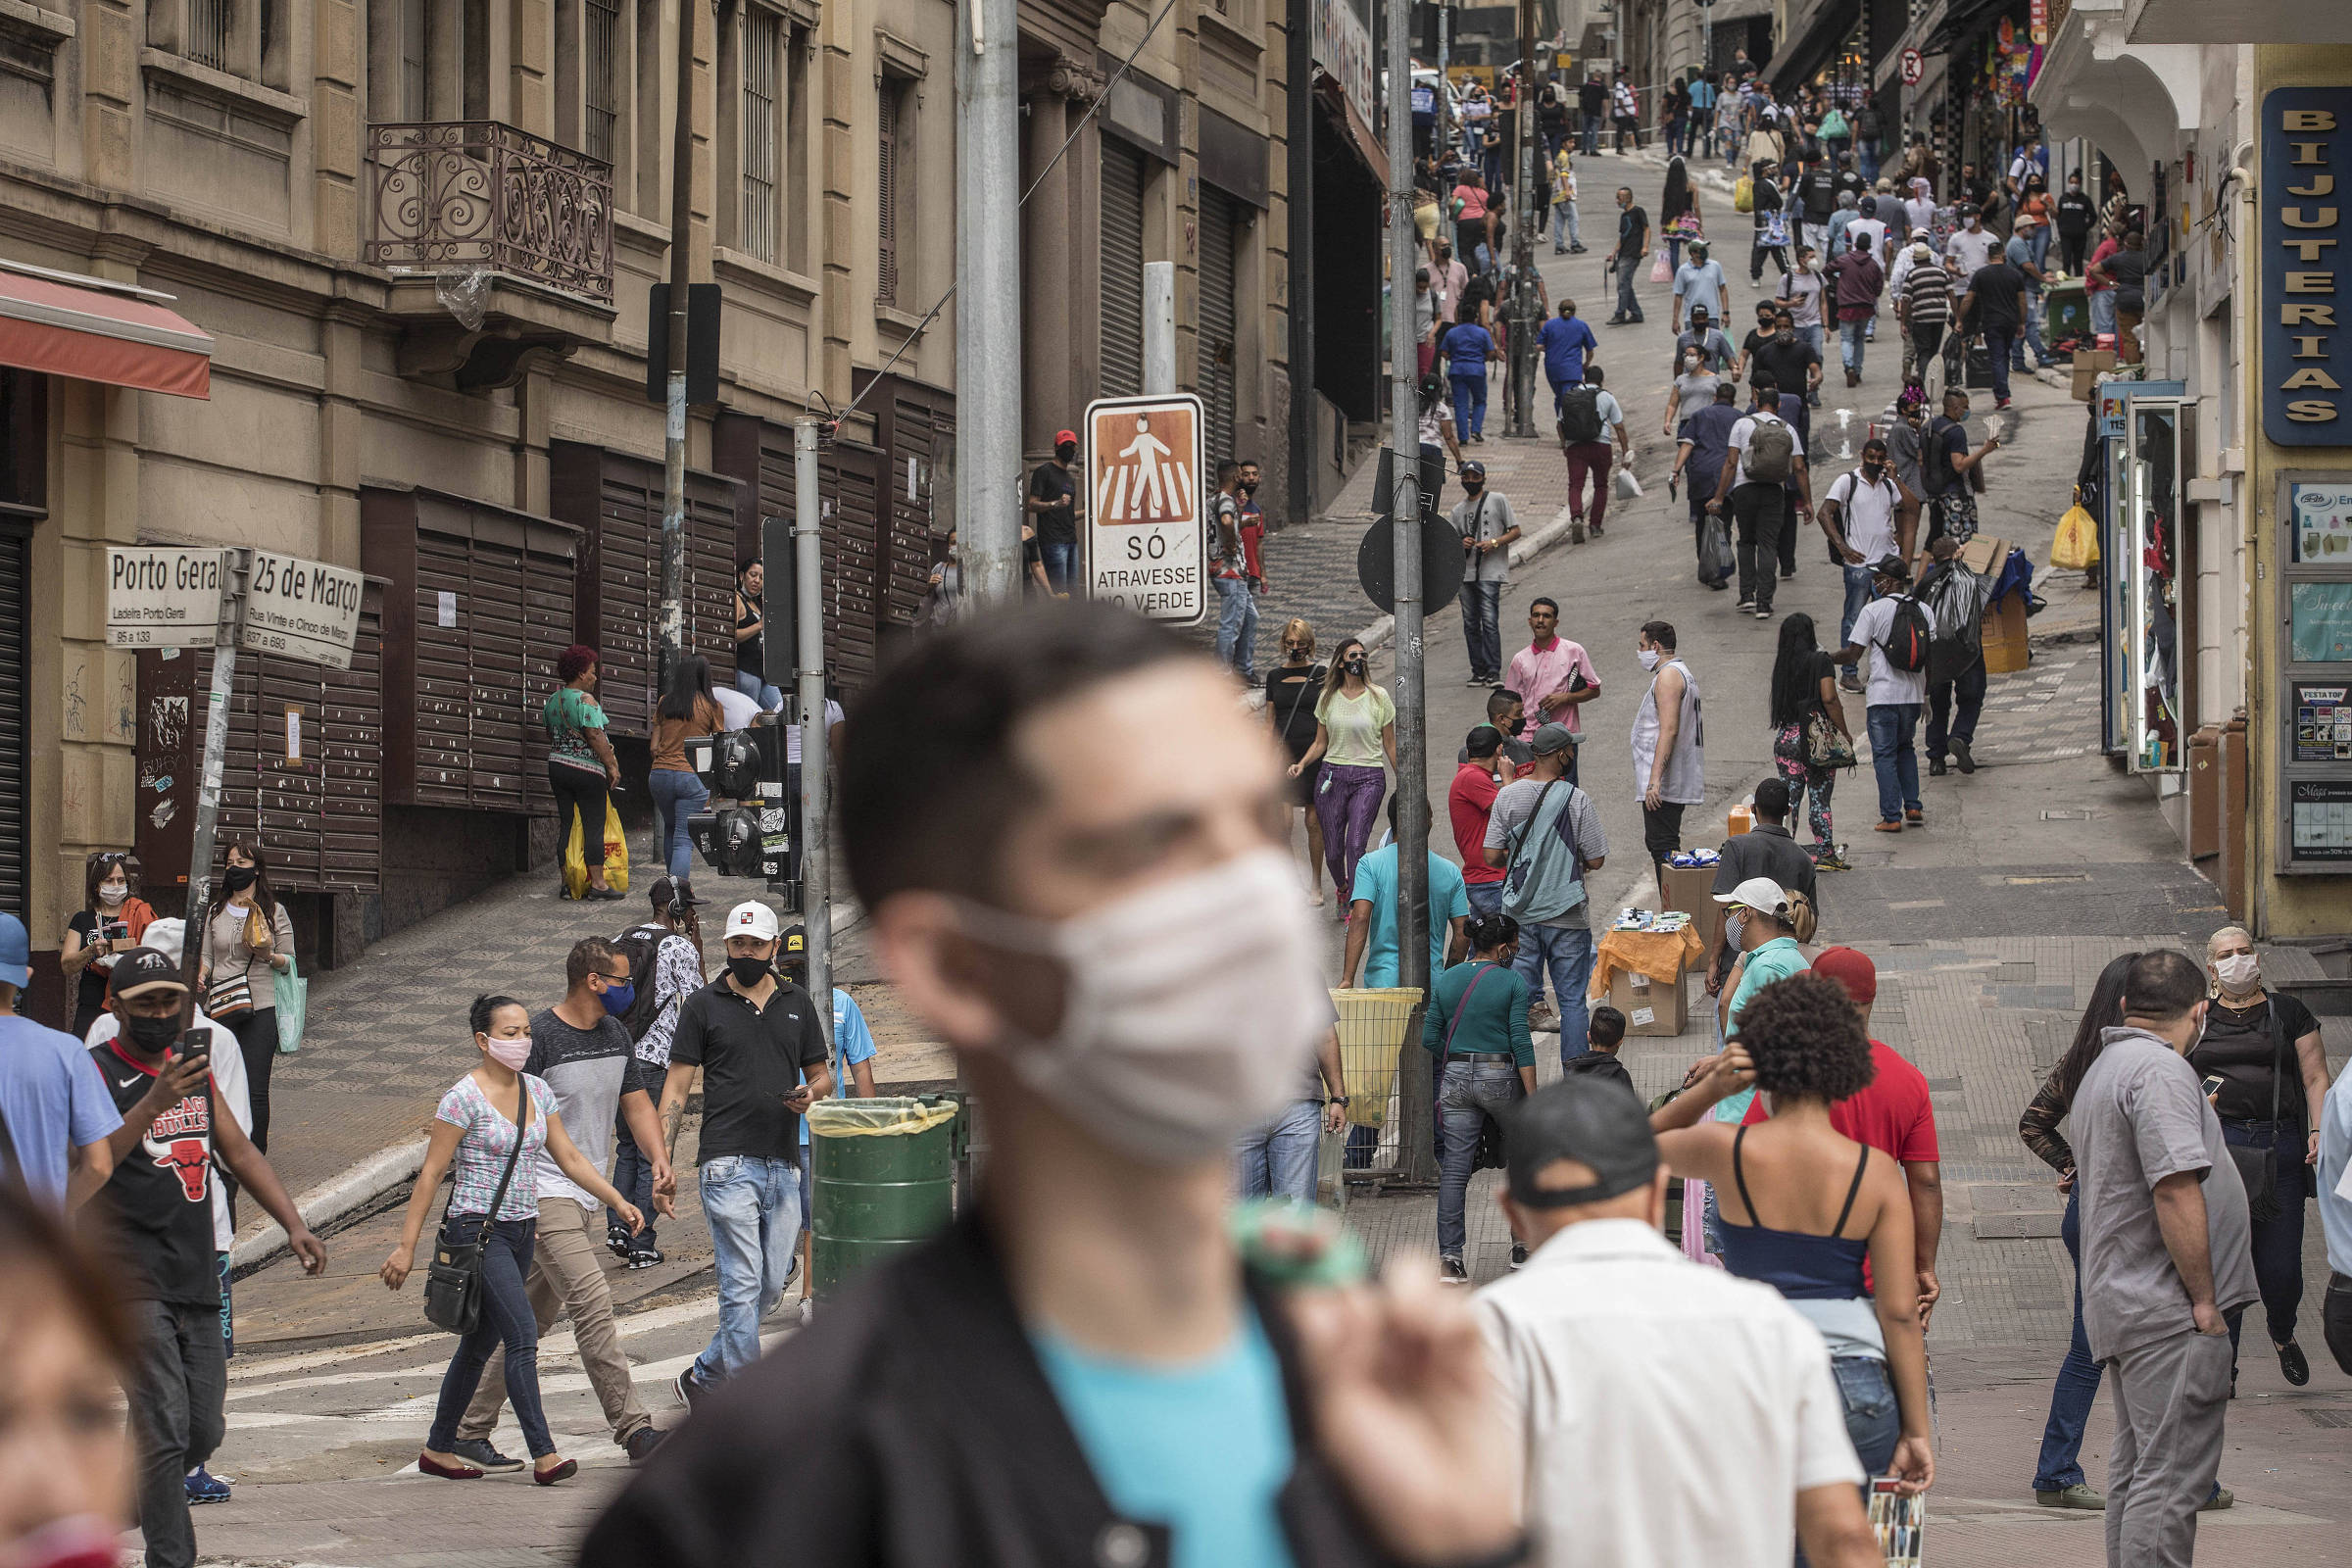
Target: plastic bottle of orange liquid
x=1742 y=819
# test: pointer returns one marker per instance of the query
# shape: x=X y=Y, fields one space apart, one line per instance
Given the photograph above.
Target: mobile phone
x=2212 y=1083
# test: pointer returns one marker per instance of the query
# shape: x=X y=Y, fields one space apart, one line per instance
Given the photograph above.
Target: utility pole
x=1416 y=1162
x=988 y=305
x=1523 y=236
x=672 y=630
x=236 y=563
x=809 y=661
x=1299 y=154
x=1445 y=136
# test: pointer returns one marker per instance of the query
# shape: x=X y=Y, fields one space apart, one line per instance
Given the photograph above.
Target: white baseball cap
x=754 y=920
x=1760 y=892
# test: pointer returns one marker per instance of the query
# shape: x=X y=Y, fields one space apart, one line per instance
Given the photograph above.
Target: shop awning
x=1335 y=98
x=1962 y=19
x=93 y=330
x=1815 y=30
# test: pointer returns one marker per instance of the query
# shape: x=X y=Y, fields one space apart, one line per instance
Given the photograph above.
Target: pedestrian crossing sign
x=1147 y=532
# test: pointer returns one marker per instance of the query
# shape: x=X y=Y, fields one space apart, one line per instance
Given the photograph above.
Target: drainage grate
x=2078 y=814
x=2335 y=1417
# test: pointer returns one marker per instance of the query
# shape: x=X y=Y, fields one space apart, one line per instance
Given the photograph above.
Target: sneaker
x=617 y=1241
x=1763 y=613
x=2000 y=404
x=1451 y=1272
x=687 y=1388
x=1852 y=682
x=2078 y=1495
x=646 y=1257
x=1518 y=1256
x=642 y=1442
x=1968 y=763
x=2222 y=1499
x=477 y=1452
x=1831 y=861
x=1935 y=767
x=205 y=1487
x=1745 y=602
x=1478 y=680
x=2293 y=1365
x=1576 y=250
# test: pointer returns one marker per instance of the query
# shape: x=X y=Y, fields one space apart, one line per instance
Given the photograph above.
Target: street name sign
x=304 y=609
x=1146 y=541
x=163 y=597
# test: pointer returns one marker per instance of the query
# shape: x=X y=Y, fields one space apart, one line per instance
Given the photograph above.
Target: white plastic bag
x=1629 y=488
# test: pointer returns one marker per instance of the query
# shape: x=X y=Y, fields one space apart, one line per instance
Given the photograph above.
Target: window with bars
x=600 y=85
x=890 y=119
x=208 y=32
x=764 y=36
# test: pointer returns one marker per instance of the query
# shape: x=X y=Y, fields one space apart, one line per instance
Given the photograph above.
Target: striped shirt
x=1928 y=292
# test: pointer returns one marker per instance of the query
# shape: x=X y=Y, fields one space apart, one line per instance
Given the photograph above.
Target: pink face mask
x=508 y=1054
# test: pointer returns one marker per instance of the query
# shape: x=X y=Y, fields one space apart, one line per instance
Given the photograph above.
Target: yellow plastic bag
x=2077 y=547
x=1743 y=195
x=616 y=856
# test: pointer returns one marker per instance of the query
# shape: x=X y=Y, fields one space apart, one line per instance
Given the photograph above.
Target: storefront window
x=2320 y=616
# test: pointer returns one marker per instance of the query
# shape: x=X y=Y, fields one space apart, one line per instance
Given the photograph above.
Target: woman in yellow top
x=1355 y=729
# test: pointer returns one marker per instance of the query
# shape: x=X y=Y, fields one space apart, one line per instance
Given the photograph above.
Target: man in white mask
x=1064 y=831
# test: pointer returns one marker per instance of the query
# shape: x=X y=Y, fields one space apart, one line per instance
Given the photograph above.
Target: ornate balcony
x=453 y=196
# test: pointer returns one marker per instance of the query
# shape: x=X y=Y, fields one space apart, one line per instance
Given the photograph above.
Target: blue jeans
x=1857 y=595
x=1565 y=952
x=2077 y=1390
x=753 y=1206
x=633 y=1179
x=1894 y=759
x=1278 y=1159
x=507 y=1319
x=1589 y=146
x=676 y=796
x=1469 y=403
x=1998 y=346
x=1472 y=1091
x=2103 y=311
x=2031 y=336
x=1563 y=221
x=759 y=691
x=1874 y=1422
x=1236 y=626
x=1851 y=335
x=1486 y=898
x=1867 y=155
x=1482 y=627
x=2277 y=1243
x=1628 y=306
x=1060 y=560
x=1810 y=336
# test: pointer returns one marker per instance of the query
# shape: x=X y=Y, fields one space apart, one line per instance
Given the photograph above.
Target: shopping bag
x=1743 y=195
x=1629 y=488
x=1659 y=272
x=2077 y=547
x=1716 y=559
x=293 y=1007
x=616 y=856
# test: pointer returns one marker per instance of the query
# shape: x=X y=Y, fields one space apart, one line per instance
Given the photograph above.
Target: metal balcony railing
x=453 y=195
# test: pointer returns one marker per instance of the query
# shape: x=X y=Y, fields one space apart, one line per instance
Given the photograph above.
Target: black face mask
x=746 y=971
x=237 y=878
x=1249 y=487
x=1065 y=453
x=1355 y=666
x=1473 y=486
x=152 y=1035
x=1871 y=471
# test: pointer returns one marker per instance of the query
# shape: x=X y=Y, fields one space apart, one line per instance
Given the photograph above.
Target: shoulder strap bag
x=453 y=1281
x=2257 y=1168
x=229 y=998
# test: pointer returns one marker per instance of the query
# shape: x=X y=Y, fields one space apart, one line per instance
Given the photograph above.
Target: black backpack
x=1909 y=638
x=1580 y=414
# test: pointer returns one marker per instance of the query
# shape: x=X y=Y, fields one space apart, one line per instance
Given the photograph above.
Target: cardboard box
x=1651 y=1006
x=2005 y=649
x=2089 y=364
x=1983 y=555
x=1691 y=888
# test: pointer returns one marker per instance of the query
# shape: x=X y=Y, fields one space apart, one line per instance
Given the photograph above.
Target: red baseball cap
x=1851 y=970
x=1059 y=436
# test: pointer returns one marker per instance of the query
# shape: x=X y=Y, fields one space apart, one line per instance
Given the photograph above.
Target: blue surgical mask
x=618 y=999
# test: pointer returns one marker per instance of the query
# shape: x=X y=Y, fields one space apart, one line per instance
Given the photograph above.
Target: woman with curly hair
x=580 y=764
x=1805 y=1207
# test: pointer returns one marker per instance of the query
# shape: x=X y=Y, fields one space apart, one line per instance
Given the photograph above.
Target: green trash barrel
x=882 y=1177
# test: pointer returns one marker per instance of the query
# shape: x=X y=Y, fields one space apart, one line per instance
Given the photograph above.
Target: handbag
x=229 y=998
x=453 y=1281
x=1826 y=744
x=1490 y=1131
x=2257 y=1168
x=293 y=1007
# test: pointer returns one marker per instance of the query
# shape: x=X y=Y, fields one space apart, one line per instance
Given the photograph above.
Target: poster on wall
x=2321 y=517
x=2320 y=819
x=2322 y=724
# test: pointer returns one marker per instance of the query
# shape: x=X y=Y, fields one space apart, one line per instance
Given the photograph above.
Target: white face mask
x=2238 y=973
x=1191 y=1007
x=1648 y=657
x=111 y=894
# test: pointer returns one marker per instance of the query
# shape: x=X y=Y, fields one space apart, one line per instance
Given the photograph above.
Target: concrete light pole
x=988 y=308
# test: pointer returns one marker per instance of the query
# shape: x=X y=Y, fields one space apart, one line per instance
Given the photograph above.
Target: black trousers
x=256 y=1047
x=1663 y=829
x=578 y=790
x=1758 y=510
x=2335 y=1318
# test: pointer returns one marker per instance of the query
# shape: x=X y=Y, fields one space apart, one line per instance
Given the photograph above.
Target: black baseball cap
x=1891 y=567
x=142 y=970
x=1598 y=1122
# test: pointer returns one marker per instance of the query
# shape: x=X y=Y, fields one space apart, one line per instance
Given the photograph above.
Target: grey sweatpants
x=2170 y=1397
x=178 y=1391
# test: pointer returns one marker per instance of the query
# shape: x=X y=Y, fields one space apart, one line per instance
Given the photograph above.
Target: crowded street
x=778 y=916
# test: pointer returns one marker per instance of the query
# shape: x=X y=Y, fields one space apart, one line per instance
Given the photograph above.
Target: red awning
x=92 y=330
x=1367 y=145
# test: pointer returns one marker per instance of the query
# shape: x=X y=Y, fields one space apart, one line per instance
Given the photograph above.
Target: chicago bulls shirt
x=159 y=1198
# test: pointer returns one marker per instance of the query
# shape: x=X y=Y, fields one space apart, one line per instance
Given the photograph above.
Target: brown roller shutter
x=15 y=729
x=615 y=500
x=858 y=601
x=1219 y=317
x=1122 y=270
x=303 y=769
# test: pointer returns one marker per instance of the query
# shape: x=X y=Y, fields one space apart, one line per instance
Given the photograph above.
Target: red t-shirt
x=1893 y=1115
x=1469 y=803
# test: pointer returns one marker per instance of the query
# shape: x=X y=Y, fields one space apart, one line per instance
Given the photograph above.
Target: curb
x=357 y=1186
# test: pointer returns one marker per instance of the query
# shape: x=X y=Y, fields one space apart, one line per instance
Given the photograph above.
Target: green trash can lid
x=878 y=1118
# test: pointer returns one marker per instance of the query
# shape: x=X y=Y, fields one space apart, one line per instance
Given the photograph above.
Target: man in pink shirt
x=1446 y=279
x=1553 y=676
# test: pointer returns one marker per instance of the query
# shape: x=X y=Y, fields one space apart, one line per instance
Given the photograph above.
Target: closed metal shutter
x=1122 y=271
x=16 y=750
x=1218 y=317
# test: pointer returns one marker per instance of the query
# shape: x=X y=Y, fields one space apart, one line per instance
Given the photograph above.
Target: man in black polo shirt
x=158 y=1207
x=753 y=1037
